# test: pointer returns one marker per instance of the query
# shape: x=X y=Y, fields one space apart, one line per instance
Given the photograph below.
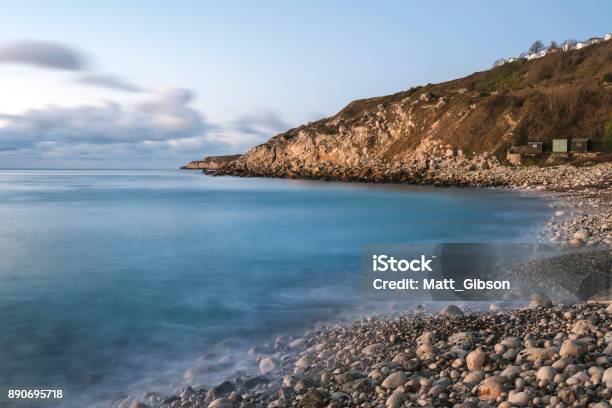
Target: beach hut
x=535 y=147
x=529 y=148
x=560 y=145
x=581 y=144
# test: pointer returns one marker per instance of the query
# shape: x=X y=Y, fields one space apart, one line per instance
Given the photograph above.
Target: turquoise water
x=112 y=281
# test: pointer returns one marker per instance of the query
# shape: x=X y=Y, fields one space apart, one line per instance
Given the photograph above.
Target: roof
x=535 y=142
x=582 y=139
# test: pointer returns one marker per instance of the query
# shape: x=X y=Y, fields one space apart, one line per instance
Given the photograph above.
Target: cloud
x=109 y=81
x=162 y=128
x=42 y=54
x=163 y=117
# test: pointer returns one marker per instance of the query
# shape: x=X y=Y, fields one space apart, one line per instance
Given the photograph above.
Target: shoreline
x=541 y=354
x=296 y=371
x=582 y=194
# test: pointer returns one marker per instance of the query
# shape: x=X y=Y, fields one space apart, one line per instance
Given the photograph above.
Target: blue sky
x=155 y=84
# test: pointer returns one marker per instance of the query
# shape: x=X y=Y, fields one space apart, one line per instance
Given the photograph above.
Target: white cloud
x=163 y=124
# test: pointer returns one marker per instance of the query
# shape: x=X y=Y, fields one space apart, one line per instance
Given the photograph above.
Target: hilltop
x=467 y=123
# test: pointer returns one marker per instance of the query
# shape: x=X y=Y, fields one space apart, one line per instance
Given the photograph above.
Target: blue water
x=119 y=280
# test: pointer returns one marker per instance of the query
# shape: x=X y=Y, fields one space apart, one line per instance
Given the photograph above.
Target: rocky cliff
x=458 y=126
x=211 y=162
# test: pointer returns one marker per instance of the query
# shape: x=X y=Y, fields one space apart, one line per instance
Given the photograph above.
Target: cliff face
x=464 y=124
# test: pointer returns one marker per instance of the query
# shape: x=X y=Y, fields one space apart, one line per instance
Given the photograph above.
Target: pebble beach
x=540 y=354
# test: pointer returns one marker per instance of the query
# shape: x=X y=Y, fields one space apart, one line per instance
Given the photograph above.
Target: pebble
x=571 y=348
x=395 y=380
x=267 y=364
x=520 y=399
x=451 y=310
x=476 y=360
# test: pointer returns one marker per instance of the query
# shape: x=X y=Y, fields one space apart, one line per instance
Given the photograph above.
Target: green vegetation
x=505 y=78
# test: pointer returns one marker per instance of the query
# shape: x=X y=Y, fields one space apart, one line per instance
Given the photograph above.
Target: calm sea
x=118 y=281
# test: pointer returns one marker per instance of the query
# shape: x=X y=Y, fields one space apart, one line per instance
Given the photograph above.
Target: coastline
x=417 y=359
x=582 y=194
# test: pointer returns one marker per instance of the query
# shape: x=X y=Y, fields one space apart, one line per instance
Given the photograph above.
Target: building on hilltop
x=567 y=45
x=581 y=44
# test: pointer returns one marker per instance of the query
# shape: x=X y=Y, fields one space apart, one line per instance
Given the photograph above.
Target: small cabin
x=529 y=148
x=560 y=145
x=535 y=147
x=581 y=144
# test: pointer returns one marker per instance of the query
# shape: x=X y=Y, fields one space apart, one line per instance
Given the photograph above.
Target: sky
x=155 y=84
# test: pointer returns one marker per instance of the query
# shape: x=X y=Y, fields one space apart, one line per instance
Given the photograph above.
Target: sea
x=118 y=282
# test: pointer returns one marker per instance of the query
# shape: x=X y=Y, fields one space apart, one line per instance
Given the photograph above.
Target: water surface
x=118 y=280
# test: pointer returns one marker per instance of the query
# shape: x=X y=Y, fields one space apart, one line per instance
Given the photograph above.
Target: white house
x=607 y=36
x=567 y=46
x=542 y=53
x=595 y=40
x=582 y=45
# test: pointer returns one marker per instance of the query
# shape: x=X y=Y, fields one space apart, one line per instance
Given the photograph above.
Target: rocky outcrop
x=211 y=162
x=454 y=127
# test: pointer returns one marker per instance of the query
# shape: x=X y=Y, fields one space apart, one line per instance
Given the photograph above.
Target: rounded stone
x=491 y=387
x=572 y=348
x=546 y=373
x=519 y=399
x=395 y=380
x=476 y=360
x=267 y=364
x=451 y=310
